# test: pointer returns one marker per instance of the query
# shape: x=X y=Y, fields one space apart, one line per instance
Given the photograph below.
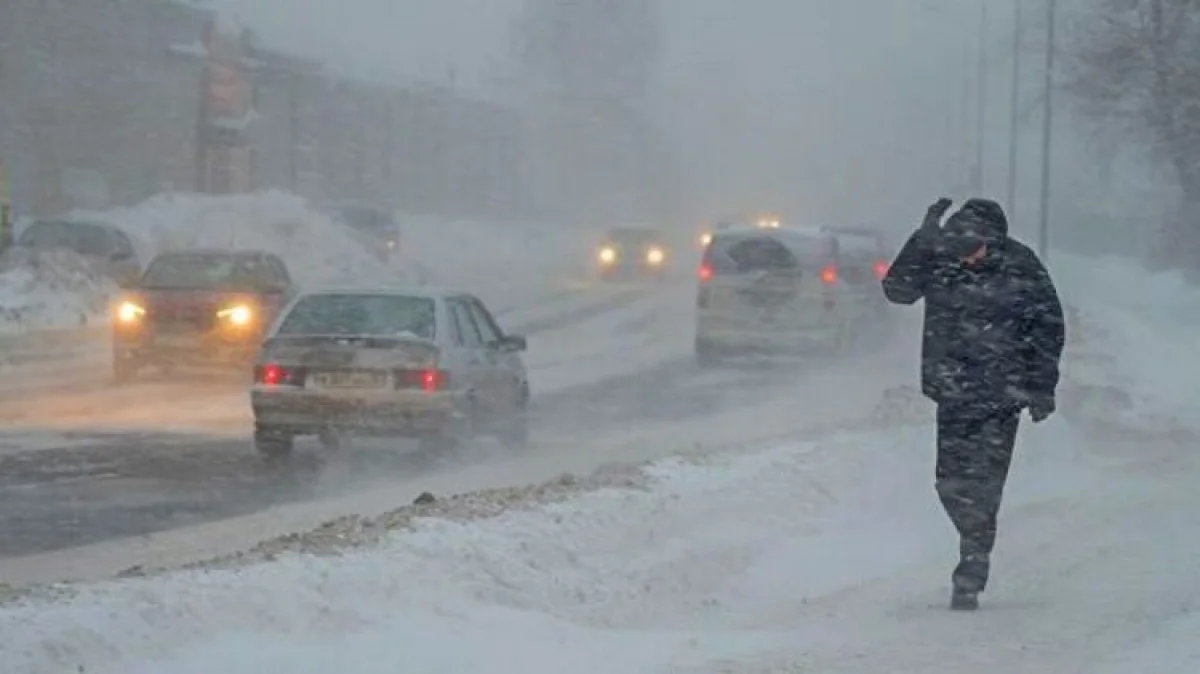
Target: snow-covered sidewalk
x=686 y=563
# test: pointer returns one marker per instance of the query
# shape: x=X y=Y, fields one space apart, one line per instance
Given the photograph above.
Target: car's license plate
x=350 y=379
x=176 y=340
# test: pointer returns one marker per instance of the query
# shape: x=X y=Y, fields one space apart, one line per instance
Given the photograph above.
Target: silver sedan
x=420 y=364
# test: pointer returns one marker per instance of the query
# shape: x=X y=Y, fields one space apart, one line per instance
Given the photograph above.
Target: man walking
x=993 y=337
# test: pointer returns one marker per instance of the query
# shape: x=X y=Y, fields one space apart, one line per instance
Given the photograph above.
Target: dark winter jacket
x=994 y=330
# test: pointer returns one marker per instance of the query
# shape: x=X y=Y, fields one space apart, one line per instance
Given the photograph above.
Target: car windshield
x=81 y=237
x=633 y=237
x=352 y=314
x=209 y=272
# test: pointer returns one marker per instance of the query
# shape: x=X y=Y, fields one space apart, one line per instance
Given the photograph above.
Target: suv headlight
x=128 y=312
x=608 y=255
x=655 y=256
x=239 y=314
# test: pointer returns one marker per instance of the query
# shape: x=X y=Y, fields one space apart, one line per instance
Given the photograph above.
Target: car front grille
x=182 y=318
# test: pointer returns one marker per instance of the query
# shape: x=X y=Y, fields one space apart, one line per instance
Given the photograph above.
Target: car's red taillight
x=428 y=380
x=272 y=374
x=706 y=272
x=829 y=275
x=881 y=269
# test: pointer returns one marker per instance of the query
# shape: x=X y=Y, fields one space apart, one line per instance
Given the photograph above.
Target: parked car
x=434 y=366
x=206 y=308
x=769 y=290
x=104 y=246
x=374 y=226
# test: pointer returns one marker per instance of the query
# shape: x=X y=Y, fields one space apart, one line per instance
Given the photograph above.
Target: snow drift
x=628 y=570
x=1131 y=357
x=505 y=263
x=317 y=250
x=50 y=289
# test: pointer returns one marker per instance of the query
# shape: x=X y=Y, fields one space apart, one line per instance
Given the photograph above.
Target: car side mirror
x=512 y=344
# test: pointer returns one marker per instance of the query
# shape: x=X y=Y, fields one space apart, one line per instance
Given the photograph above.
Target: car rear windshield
x=352 y=314
x=83 y=238
x=209 y=272
x=745 y=254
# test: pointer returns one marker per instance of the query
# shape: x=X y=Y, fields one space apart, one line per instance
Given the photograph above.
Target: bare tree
x=1137 y=69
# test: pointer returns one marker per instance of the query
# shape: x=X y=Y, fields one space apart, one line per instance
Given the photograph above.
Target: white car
x=768 y=290
x=421 y=364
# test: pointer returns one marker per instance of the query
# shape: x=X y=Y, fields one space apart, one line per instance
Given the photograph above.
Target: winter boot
x=962 y=599
x=969 y=579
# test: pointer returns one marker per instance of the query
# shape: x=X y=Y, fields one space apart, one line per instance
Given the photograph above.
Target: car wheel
x=273 y=445
x=125 y=370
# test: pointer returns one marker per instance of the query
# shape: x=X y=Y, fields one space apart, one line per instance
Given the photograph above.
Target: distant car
x=105 y=247
x=375 y=227
x=860 y=248
x=632 y=251
x=198 y=308
x=706 y=235
x=421 y=364
x=767 y=290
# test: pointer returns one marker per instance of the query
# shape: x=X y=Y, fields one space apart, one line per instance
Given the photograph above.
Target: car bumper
x=188 y=348
x=763 y=339
x=398 y=413
x=626 y=270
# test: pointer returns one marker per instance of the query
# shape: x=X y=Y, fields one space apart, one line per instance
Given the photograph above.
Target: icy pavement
x=829 y=554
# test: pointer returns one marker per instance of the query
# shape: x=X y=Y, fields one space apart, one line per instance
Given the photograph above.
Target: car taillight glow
x=829 y=275
x=272 y=374
x=706 y=272
x=881 y=269
x=428 y=380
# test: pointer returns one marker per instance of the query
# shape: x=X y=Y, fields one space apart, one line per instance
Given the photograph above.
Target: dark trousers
x=974 y=451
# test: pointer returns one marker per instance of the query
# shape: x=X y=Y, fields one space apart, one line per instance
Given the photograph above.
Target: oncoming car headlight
x=705 y=238
x=128 y=312
x=238 y=314
x=608 y=255
x=655 y=256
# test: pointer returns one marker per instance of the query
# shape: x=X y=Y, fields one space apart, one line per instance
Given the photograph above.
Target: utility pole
x=1047 y=129
x=981 y=103
x=1015 y=107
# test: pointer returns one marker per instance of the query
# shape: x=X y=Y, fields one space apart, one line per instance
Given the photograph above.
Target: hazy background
x=856 y=109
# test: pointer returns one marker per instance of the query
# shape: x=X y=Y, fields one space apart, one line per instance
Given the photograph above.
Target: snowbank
x=55 y=289
x=1133 y=354
x=629 y=570
x=317 y=250
x=508 y=264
